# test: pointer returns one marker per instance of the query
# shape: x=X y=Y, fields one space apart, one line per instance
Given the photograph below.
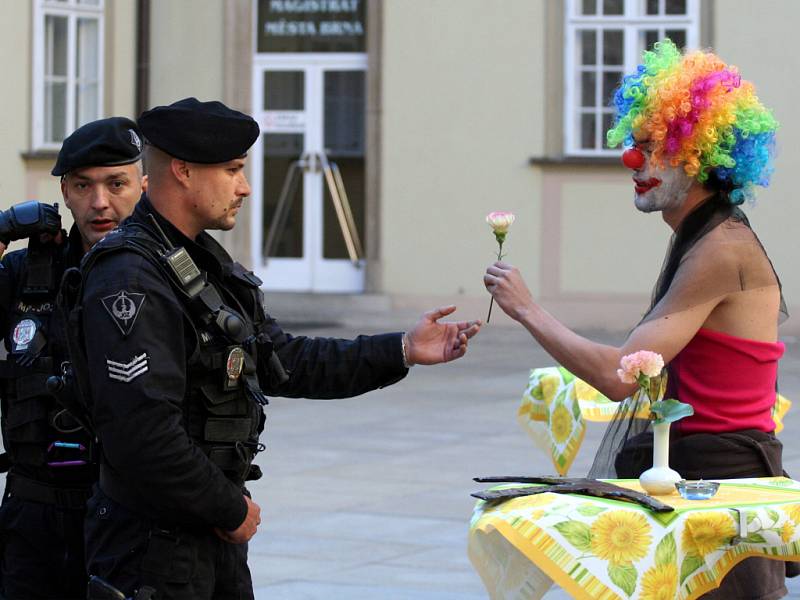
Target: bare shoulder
x=751 y=307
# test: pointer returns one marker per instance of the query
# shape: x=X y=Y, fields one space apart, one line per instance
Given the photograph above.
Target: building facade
x=420 y=116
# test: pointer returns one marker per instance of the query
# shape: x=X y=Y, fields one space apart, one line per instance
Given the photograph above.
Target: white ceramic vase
x=660 y=480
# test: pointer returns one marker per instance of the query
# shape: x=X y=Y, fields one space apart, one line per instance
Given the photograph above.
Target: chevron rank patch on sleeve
x=127 y=372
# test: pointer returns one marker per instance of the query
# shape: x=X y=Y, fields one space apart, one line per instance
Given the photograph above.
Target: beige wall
x=606 y=247
x=461 y=115
x=186 y=50
x=187 y=58
x=599 y=257
x=15 y=116
x=120 y=99
x=757 y=37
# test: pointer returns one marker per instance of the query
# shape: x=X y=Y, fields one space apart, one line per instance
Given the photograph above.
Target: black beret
x=199 y=132
x=103 y=143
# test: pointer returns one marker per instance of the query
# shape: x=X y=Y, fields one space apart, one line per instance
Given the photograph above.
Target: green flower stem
x=500 y=240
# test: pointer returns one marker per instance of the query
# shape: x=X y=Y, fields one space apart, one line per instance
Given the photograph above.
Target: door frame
x=312 y=272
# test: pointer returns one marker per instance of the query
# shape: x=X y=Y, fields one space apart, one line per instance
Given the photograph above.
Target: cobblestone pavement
x=368 y=498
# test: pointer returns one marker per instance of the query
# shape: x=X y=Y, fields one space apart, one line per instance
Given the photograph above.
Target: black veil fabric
x=687 y=278
x=706 y=217
x=624 y=426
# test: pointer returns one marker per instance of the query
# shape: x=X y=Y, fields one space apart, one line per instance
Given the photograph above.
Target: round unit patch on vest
x=23 y=334
x=235 y=363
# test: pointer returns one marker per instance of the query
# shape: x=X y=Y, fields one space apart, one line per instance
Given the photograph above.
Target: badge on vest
x=23 y=335
x=123 y=308
x=127 y=372
x=233 y=367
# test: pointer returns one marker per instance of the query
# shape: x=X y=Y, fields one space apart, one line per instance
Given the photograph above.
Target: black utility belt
x=115 y=488
x=37 y=491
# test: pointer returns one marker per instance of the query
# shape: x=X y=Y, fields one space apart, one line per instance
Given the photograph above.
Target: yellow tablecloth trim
x=587 y=586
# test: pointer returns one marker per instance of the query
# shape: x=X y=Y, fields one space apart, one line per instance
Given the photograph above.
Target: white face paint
x=660 y=189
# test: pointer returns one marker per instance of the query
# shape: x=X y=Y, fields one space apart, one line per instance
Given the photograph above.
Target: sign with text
x=283 y=120
x=312 y=26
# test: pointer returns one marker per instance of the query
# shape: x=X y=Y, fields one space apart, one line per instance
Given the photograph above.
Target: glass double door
x=311 y=111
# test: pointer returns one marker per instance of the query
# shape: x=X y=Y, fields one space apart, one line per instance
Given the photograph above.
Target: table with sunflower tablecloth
x=601 y=549
x=556 y=406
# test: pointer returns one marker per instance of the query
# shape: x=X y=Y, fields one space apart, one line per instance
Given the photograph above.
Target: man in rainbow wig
x=698 y=142
x=696 y=112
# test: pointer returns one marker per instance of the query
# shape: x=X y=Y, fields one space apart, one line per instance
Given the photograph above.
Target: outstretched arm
x=339 y=368
x=593 y=362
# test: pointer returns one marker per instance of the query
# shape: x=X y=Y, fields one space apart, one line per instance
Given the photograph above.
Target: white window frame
x=631 y=22
x=72 y=10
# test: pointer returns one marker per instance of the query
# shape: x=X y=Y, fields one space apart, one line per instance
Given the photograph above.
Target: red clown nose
x=633 y=158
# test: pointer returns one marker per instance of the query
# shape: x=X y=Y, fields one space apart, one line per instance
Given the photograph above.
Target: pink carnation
x=625 y=377
x=642 y=362
x=500 y=220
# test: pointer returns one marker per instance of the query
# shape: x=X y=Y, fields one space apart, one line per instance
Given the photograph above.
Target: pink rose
x=500 y=221
x=643 y=362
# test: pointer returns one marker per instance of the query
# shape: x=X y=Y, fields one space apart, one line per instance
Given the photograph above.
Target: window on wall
x=67 y=68
x=604 y=40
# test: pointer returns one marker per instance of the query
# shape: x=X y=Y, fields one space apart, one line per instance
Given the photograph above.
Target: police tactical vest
x=41 y=438
x=223 y=405
x=223 y=402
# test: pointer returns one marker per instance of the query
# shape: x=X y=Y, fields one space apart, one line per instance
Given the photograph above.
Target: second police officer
x=48 y=454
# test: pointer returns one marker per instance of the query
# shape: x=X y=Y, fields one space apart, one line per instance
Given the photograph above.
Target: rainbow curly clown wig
x=697 y=111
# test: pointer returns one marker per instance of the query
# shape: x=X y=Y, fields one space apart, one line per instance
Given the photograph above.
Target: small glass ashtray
x=697 y=489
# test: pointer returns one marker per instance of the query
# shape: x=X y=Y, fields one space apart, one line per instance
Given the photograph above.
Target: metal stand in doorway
x=311 y=161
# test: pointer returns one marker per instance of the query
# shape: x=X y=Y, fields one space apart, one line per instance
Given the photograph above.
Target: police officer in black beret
x=179 y=354
x=48 y=455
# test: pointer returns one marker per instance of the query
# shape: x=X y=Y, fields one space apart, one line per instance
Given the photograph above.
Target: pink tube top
x=730 y=382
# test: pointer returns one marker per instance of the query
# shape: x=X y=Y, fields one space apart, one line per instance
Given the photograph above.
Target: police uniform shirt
x=15 y=311
x=138 y=345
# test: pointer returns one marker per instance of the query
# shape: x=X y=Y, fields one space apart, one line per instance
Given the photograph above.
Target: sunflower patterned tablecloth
x=600 y=549
x=556 y=406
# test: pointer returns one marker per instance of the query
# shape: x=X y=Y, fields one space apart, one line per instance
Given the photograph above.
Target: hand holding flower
x=500 y=222
x=506 y=285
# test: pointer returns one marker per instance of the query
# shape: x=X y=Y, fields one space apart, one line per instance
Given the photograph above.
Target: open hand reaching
x=431 y=342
